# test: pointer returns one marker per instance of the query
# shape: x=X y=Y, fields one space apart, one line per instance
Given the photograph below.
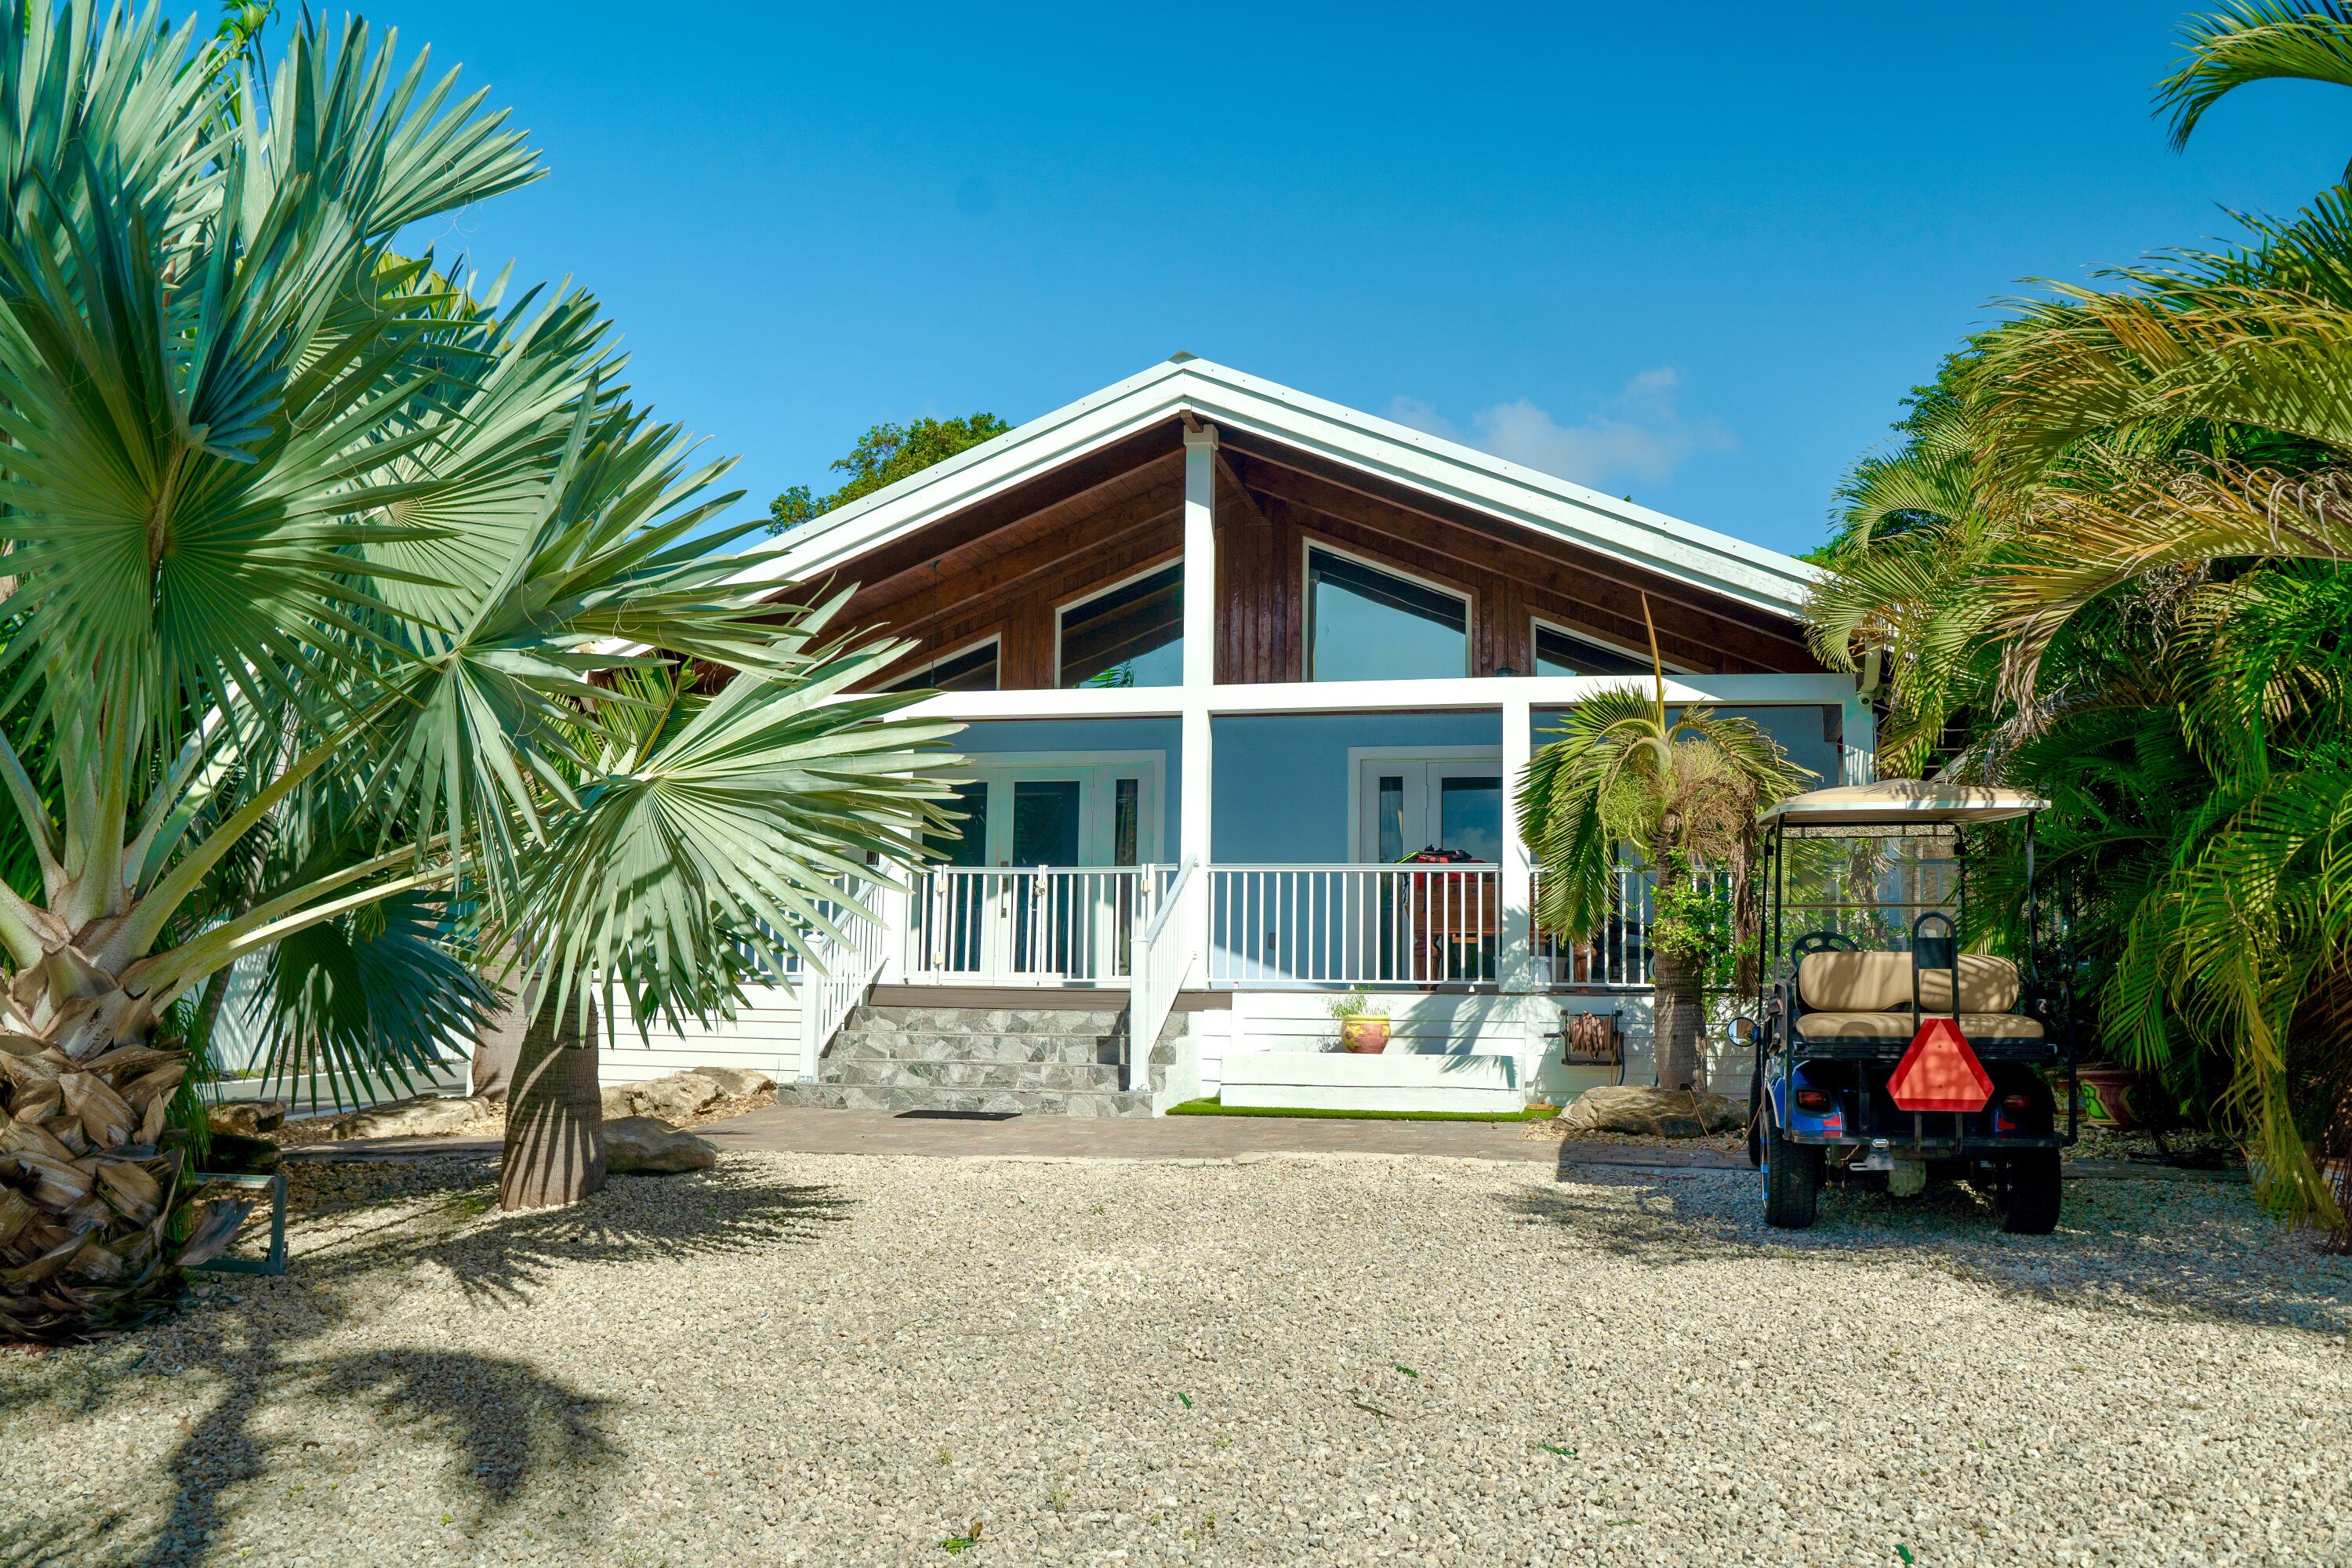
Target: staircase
x=1052 y=1061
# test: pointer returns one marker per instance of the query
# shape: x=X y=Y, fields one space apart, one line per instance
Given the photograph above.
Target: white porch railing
x=844 y=973
x=1616 y=957
x=1164 y=956
x=1028 y=925
x=1354 y=925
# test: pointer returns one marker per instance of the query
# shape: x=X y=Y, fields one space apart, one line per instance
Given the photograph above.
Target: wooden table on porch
x=1448 y=908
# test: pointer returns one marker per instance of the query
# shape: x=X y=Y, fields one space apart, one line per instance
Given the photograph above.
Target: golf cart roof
x=1895 y=801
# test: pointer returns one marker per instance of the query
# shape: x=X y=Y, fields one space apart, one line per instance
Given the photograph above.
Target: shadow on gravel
x=501 y=1424
x=2182 y=1250
x=504 y=1257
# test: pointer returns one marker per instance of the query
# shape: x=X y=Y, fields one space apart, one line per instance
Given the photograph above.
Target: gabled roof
x=1230 y=399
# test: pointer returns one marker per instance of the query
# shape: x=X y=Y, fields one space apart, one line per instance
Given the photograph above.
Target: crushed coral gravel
x=824 y=1361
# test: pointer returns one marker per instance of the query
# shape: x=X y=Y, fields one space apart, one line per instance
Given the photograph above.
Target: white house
x=1227 y=653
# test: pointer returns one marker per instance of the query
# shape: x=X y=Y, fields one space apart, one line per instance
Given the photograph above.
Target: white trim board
x=1467 y=695
x=1554 y=507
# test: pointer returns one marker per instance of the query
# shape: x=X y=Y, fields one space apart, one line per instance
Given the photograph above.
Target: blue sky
x=1693 y=254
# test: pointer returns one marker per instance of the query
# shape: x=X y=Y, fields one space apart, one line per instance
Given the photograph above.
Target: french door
x=1437 y=923
x=1405 y=804
x=1043 y=881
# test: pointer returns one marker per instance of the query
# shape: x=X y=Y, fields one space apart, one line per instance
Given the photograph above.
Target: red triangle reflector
x=1939 y=1072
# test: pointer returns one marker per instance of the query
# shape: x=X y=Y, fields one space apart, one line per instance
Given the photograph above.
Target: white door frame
x=1422 y=766
x=1097 y=773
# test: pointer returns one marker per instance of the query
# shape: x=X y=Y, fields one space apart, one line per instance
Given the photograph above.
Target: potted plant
x=1361 y=1030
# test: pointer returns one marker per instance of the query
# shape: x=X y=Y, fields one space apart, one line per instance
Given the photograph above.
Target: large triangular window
x=1365 y=623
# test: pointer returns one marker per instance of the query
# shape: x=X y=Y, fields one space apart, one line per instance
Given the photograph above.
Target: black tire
x=1793 y=1179
x=2030 y=1197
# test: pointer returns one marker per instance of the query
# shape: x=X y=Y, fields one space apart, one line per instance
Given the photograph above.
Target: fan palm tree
x=346 y=618
x=1681 y=790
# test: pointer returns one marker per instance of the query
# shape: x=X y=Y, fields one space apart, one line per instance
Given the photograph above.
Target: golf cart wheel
x=1792 y=1180
x=2029 y=1193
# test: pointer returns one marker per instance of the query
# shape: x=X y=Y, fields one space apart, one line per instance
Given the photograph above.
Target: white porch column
x=1861 y=726
x=1200 y=663
x=1516 y=956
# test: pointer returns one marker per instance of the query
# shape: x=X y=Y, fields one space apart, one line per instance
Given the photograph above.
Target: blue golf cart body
x=1863 y=897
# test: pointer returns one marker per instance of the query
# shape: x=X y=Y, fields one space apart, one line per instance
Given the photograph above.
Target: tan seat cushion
x=1854 y=982
x=1988 y=984
x=1888 y=1026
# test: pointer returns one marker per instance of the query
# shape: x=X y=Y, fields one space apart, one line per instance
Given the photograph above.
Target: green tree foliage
x=1681 y=790
x=884 y=456
x=2117 y=576
x=344 y=617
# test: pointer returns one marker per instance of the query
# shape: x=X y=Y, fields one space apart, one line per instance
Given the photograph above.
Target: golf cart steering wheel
x=1814 y=942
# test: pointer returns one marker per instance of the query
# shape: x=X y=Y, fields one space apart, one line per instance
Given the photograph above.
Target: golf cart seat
x=1867 y=996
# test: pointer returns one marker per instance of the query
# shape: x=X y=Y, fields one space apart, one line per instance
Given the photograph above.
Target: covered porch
x=1312 y=800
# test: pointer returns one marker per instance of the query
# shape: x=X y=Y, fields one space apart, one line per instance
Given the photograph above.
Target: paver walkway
x=801 y=1130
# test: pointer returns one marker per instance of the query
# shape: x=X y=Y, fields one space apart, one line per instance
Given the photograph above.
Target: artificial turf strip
x=1215 y=1108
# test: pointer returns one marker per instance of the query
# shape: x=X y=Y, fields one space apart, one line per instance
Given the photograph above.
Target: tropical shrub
x=1680 y=790
x=2107 y=563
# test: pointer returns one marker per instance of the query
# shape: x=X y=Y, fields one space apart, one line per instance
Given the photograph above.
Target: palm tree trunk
x=99 y=1216
x=1679 y=1020
x=555 y=1122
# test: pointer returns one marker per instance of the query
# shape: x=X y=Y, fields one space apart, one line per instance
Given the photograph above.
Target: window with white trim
x=1130 y=635
x=972 y=670
x=1559 y=652
x=1366 y=623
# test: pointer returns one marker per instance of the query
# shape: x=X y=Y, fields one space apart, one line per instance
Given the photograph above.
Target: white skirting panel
x=1425 y=1024
x=1333 y=1080
x=765 y=1036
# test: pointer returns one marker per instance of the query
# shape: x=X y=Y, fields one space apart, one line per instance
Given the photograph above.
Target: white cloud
x=1638 y=434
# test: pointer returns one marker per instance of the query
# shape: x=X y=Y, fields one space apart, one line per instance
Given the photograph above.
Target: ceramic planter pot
x=2107 y=1095
x=1366 y=1036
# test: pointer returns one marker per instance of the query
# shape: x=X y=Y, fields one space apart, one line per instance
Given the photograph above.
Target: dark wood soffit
x=1065 y=493
x=1320 y=486
x=1009 y=560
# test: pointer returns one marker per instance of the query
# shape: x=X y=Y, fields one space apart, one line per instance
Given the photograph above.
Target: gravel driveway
x=1296 y=1360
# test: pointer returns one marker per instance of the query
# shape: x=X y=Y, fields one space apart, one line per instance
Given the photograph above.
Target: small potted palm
x=1361 y=1030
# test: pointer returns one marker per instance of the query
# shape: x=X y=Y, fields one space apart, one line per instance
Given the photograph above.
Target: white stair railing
x=1164 y=955
x=844 y=972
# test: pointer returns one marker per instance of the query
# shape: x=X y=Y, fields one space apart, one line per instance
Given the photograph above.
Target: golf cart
x=1885 y=1056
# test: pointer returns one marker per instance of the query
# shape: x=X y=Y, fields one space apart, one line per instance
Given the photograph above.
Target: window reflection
x=1563 y=653
x=1364 y=623
x=1132 y=635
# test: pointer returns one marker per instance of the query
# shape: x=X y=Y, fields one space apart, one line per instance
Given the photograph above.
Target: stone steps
x=1008 y=1060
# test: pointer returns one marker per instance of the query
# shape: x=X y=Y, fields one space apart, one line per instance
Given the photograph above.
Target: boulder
x=247 y=1118
x=671 y=1098
x=736 y=1082
x=641 y=1146
x=427 y=1116
x=235 y=1154
x=1654 y=1112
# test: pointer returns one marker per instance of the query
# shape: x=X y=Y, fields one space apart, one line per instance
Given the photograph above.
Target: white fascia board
x=1480 y=481
x=1044 y=444
x=1468 y=694
x=1748 y=573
